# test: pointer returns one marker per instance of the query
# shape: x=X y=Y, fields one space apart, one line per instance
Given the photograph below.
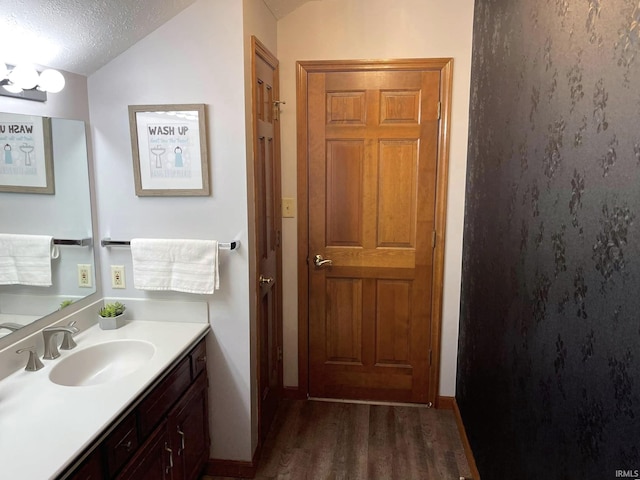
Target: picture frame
x=26 y=155
x=169 y=149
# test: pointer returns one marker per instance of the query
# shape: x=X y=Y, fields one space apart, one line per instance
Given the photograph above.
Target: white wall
x=378 y=29
x=196 y=57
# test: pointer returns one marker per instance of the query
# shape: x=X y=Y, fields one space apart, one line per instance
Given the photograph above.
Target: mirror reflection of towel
x=26 y=259
x=189 y=266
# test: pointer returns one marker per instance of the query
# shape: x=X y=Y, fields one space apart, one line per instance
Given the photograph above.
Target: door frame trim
x=303 y=69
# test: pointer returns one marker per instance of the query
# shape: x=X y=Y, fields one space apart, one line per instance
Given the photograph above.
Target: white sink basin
x=101 y=363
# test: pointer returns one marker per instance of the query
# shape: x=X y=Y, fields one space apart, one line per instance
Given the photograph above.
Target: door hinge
x=439 y=109
x=280 y=354
x=276 y=109
x=433 y=239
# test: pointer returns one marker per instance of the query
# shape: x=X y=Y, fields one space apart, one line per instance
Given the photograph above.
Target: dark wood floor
x=346 y=441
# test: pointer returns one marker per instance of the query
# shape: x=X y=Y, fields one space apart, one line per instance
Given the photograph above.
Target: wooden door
x=372 y=145
x=267 y=194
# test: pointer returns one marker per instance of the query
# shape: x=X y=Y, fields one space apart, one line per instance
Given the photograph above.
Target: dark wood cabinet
x=198 y=358
x=154 y=460
x=155 y=406
x=189 y=430
x=164 y=436
x=121 y=445
x=90 y=469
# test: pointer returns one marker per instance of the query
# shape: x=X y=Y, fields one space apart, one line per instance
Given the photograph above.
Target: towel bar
x=107 y=242
x=81 y=242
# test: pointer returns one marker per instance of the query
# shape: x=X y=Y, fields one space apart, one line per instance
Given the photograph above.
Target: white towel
x=182 y=265
x=26 y=259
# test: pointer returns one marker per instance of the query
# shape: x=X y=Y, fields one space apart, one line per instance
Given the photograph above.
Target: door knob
x=321 y=262
x=265 y=280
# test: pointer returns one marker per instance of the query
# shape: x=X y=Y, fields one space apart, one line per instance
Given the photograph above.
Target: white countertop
x=44 y=426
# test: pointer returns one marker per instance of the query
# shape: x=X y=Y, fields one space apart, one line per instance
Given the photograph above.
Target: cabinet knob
x=126 y=446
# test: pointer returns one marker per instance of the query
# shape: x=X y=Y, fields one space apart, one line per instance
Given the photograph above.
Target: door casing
x=304 y=68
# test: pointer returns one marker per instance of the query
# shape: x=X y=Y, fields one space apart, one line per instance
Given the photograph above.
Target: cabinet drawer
x=153 y=460
x=198 y=359
x=153 y=408
x=121 y=444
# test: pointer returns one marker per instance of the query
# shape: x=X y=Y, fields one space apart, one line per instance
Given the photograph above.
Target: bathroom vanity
x=145 y=422
x=164 y=436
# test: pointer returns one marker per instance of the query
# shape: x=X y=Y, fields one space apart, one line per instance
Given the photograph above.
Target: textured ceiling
x=81 y=36
x=281 y=8
x=78 y=35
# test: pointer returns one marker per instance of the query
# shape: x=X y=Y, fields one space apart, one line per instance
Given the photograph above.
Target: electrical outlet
x=117 y=276
x=85 y=279
x=288 y=208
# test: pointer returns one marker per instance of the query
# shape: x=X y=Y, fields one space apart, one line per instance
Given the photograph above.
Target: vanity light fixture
x=24 y=81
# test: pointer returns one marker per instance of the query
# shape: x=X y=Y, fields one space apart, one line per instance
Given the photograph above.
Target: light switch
x=288 y=208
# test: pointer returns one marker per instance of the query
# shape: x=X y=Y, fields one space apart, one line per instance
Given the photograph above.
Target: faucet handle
x=67 y=340
x=11 y=326
x=34 y=362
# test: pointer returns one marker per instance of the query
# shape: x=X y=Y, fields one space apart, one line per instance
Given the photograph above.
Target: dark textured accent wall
x=549 y=350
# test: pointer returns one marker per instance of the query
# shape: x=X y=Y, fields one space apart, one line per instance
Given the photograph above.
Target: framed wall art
x=26 y=164
x=169 y=149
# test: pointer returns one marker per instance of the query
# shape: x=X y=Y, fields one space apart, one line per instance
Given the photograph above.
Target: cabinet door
x=153 y=461
x=91 y=469
x=189 y=430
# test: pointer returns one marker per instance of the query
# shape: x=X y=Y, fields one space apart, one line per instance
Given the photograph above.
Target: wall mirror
x=65 y=215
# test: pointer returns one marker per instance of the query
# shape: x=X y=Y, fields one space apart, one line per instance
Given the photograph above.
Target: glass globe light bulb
x=12 y=87
x=51 y=81
x=24 y=76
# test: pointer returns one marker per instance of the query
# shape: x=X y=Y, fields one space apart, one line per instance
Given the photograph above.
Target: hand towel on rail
x=182 y=265
x=26 y=259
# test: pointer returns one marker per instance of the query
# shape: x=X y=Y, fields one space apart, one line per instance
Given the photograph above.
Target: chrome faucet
x=50 y=344
x=11 y=326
